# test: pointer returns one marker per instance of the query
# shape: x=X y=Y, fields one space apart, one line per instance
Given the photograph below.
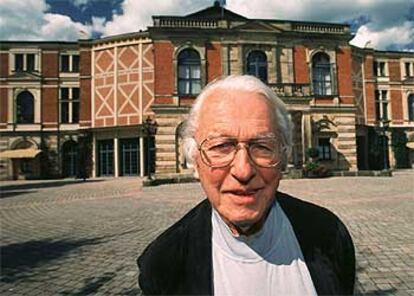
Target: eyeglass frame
x=237 y=148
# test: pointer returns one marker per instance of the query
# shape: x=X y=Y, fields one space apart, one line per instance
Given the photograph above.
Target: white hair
x=230 y=83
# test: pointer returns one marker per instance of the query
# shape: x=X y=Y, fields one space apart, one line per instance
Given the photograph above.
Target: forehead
x=235 y=113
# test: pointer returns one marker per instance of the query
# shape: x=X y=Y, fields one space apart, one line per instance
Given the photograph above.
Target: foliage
x=315 y=170
x=312 y=152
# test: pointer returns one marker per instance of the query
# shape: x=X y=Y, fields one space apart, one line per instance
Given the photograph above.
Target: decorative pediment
x=216 y=12
x=257 y=26
x=25 y=76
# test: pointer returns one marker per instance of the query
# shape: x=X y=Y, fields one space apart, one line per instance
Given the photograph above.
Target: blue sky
x=383 y=24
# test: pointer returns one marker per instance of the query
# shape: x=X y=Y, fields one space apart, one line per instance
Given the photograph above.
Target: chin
x=246 y=219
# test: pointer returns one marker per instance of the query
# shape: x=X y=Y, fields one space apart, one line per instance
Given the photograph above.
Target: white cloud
x=28 y=20
x=137 y=14
x=399 y=35
x=385 y=17
x=385 y=23
x=61 y=27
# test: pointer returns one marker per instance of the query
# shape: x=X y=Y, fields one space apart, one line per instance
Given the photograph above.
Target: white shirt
x=269 y=262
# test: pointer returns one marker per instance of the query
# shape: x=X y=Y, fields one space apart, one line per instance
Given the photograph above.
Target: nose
x=242 y=168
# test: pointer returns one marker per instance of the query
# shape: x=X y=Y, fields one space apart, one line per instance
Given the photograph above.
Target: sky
x=382 y=24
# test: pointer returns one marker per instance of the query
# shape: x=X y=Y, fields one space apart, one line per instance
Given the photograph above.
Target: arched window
x=257 y=65
x=410 y=107
x=189 y=72
x=321 y=75
x=25 y=108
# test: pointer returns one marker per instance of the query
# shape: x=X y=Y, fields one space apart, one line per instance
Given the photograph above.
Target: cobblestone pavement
x=74 y=238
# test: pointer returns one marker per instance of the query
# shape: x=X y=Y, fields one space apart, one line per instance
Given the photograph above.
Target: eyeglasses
x=220 y=152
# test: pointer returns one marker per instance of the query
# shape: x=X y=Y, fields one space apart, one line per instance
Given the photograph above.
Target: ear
x=196 y=175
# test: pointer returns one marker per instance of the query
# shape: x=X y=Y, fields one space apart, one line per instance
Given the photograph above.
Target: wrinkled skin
x=241 y=192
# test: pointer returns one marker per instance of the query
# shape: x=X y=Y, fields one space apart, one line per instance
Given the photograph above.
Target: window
x=75 y=63
x=324 y=148
x=321 y=75
x=189 y=72
x=411 y=107
x=379 y=69
x=69 y=63
x=30 y=62
x=129 y=154
x=257 y=65
x=25 y=62
x=18 y=62
x=105 y=158
x=70 y=159
x=25 y=108
x=409 y=69
x=381 y=105
x=69 y=105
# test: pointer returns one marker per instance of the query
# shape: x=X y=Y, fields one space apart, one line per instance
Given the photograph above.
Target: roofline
x=262 y=20
x=38 y=42
x=119 y=37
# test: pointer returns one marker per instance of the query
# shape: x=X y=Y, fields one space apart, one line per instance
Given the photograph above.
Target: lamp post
x=381 y=129
x=149 y=128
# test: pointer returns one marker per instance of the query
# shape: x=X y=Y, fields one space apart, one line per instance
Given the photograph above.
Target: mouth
x=243 y=195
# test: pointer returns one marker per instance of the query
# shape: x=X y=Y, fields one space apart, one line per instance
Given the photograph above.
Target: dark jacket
x=179 y=261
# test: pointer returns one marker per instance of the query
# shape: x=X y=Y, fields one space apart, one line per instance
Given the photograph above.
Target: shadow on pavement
x=18 y=261
x=92 y=285
x=29 y=186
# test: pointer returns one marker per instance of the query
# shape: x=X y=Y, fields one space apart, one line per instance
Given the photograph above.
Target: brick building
x=87 y=102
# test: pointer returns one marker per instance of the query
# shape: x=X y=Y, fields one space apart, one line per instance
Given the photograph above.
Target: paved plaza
x=70 y=237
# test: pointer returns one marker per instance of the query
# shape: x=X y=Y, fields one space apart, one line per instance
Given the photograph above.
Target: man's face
x=242 y=191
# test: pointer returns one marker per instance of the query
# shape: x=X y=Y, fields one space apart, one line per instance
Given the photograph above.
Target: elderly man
x=246 y=238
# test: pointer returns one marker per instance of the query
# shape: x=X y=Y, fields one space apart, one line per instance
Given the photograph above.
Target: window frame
x=410 y=107
x=380 y=68
x=71 y=102
x=381 y=100
x=253 y=60
x=325 y=150
x=321 y=86
x=18 y=113
x=190 y=66
x=69 y=62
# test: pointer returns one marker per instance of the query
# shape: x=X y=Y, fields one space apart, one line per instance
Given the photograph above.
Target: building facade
x=83 y=108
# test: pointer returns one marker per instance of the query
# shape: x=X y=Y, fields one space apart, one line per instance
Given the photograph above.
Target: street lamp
x=149 y=128
x=381 y=129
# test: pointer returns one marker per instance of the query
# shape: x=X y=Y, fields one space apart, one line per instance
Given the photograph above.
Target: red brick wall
x=368 y=67
x=301 y=67
x=396 y=106
x=163 y=63
x=4 y=64
x=3 y=106
x=50 y=64
x=213 y=61
x=369 y=88
x=49 y=105
x=85 y=87
x=344 y=68
x=394 y=70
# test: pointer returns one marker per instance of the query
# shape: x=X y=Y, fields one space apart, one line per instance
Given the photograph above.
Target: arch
x=70 y=158
x=25 y=107
x=321 y=74
x=24 y=143
x=410 y=106
x=257 y=64
x=188 y=72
